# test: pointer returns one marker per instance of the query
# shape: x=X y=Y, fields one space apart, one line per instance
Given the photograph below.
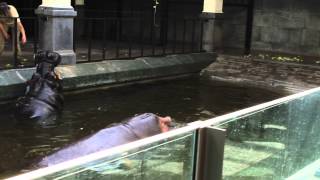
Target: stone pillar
x=56 y=28
x=210 y=7
x=208 y=38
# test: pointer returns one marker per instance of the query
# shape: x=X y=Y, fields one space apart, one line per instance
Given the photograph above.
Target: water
x=184 y=100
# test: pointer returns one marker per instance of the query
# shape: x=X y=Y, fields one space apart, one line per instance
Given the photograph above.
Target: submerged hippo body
x=138 y=127
x=43 y=98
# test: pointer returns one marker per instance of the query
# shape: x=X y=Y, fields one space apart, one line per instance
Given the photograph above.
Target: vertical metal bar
x=131 y=8
x=174 y=36
x=184 y=35
x=193 y=34
x=164 y=36
x=152 y=39
x=120 y=5
x=117 y=21
x=89 y=39
x=164 y=7
x=130 y=39
x=104 y=43
x=210 y=154
x=248 y=36
x=201 y=35
x=15 y=42
x=195 y=155
x=141 y=36
x=35 y=34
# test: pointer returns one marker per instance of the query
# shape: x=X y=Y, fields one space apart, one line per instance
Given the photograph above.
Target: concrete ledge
x=12 y=82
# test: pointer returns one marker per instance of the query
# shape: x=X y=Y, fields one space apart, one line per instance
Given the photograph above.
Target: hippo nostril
x=49 y=57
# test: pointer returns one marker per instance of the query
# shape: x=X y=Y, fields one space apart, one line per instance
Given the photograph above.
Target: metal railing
x=97 y=39
x=126 y=38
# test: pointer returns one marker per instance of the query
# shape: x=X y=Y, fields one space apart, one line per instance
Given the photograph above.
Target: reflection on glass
x=275 y=143
x=171 y=159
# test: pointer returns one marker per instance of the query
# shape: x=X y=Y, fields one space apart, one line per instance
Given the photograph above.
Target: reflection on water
x=85 y=113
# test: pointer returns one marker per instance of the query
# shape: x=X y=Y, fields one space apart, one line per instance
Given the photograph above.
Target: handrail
x=136 y=144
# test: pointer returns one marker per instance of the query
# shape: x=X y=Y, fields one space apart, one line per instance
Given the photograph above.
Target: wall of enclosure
x=289 y=26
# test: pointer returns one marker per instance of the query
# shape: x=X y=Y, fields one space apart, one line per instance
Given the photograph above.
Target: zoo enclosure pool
x=274 y=140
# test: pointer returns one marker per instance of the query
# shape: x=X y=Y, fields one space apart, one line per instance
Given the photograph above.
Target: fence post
x=15 y=42
x=208 y=31
x=210 y=150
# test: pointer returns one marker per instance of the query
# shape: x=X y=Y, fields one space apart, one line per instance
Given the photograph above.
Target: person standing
x=8 y=16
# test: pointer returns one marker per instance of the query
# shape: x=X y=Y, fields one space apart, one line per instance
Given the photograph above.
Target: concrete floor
x=280 y=76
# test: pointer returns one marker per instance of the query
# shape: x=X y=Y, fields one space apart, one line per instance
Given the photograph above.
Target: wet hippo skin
x=138 y=127
x=43 y=98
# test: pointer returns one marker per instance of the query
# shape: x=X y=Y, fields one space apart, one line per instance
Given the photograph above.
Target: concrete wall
x=291 y=26
x=230 y=28
x=87 y=75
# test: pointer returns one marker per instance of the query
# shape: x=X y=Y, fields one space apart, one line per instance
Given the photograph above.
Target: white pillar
x=212 y=6
x=57 y=3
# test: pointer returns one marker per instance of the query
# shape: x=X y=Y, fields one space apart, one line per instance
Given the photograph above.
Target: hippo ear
x=39 y=56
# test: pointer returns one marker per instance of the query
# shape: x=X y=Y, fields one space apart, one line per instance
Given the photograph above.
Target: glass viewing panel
x=170 y=159
x=275 y=143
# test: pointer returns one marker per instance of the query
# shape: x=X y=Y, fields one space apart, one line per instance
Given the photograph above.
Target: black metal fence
x=97 y=39
x=126 y=38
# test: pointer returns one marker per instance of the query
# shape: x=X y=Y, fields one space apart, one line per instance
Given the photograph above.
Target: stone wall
x=290 y=26
x=110 y=73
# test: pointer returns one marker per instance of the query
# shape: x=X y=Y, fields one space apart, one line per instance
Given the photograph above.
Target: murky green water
x=184 y=100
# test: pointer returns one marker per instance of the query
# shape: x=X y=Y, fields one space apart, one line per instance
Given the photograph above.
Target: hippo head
x=145 y=125
x=46 y=61
x=43 y=99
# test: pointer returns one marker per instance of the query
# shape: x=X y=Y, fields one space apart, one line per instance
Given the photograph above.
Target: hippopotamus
x=43 y=98
x=138 y=127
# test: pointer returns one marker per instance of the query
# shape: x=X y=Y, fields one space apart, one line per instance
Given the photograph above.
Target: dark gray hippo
x=43 y=98
x=136 y=128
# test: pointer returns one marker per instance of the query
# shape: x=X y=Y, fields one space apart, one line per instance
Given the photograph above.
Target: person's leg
x=19 y=45
x=2 y=41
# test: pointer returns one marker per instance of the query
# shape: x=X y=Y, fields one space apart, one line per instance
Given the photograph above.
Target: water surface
x=184 y=100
